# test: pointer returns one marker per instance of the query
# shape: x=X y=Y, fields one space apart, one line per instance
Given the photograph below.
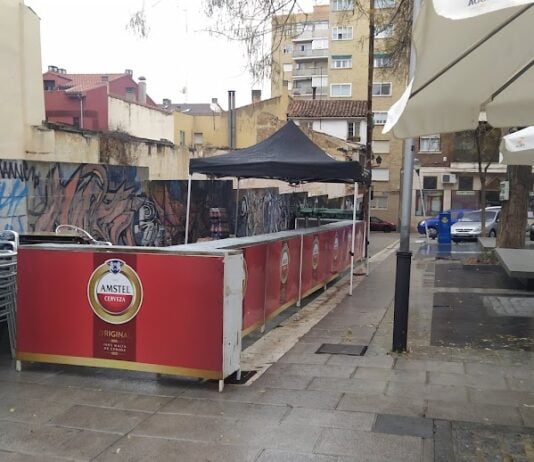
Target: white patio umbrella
x=518 y=148
x=472 y=56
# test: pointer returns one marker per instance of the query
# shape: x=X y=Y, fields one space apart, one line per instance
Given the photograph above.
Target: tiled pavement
x=434 y=403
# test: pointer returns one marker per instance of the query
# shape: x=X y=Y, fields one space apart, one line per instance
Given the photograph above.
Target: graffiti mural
x=111 y=202
x=103 y=200
x=116 y=203
x=263 y=211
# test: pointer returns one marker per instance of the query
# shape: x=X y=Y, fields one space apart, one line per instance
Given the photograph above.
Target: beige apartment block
x=324 y=54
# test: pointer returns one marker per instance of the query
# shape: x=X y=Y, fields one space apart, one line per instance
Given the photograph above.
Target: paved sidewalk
x=437 y=402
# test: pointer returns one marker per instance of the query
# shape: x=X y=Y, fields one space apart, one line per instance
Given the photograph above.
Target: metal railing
x=82 y=232
x=309 y=53
x=310 y=72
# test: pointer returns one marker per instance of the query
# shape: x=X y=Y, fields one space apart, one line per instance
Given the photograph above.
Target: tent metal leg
x=353 y=238
x=188 y=209
x=300 y=269
x=236 y=208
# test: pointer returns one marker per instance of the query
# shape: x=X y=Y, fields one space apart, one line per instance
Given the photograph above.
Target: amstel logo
x=335 y=250
x=315 y=253
x=115 y=292
x=284 y=263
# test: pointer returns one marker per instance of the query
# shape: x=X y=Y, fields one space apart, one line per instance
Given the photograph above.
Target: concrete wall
x=165 y=161
x=339 y=128
x=21 y=97
x=139 y=120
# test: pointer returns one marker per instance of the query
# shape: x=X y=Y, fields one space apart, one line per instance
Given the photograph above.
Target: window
x=379 y=200
x=288 y=67
x=381 y=147
x=320 y=81
x=321 y=25
x=342 y=5
x=287 y=49
x=382 y=60
x=342 y=33
x=130 y=93
x=340 y=90
x=383 y=32
x=382 y=89
x=380 y=174
x=465 y=183
x=430 y=182
x=341 y=62
x=49 y=85
x=198 y=138
x=433 y=203
x=380 y=117
x=353 y=130
x=320 y=44
x=182 y=138
x=379 y=4
x=430 y=143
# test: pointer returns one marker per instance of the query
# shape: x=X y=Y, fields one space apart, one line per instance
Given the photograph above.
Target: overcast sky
x=90 y=36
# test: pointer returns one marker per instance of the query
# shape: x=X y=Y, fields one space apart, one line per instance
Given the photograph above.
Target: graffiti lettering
x=15 y=169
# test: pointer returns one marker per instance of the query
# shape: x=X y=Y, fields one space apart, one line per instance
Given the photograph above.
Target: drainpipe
x=81 y=110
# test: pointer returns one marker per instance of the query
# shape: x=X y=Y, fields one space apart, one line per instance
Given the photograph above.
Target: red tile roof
x=83 y=82
x=334 y=109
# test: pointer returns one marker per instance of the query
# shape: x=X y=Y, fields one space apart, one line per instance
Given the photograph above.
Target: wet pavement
x=439 y=402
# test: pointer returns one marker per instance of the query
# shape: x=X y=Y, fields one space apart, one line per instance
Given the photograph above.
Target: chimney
x=256 y=96
x=231 y=119
x=166 y=102
x=52 y=69
x=128 y=72
x=214 y=101
x=141 y=91
x=104 y=78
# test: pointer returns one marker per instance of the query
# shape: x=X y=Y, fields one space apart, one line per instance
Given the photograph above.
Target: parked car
x=433 y=222
x=469 y=227
x=532 y=232
x=377 y=224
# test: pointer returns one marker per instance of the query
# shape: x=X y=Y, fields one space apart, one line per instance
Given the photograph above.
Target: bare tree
x=514 y=210
x=260 y=25
x=487 y=141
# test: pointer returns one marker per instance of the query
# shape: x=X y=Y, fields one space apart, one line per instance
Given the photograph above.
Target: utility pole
x=370 y=121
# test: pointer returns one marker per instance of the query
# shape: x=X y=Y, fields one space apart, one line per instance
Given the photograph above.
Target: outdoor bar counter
x=179 y=310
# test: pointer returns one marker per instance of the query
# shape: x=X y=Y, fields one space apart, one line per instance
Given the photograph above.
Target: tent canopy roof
x=287 y=155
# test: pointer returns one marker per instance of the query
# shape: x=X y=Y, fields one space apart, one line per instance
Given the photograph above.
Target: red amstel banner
x=139 y=311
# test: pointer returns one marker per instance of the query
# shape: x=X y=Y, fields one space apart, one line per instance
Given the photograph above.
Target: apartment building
x=448 y=177
x=324 y=55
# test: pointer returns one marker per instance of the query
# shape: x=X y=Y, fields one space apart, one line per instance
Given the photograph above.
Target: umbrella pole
x=404 y=256
x=236 y=207
x=188 y=209
x=353 y=237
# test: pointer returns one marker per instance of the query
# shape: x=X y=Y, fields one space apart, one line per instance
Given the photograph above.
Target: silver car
x=469 y=226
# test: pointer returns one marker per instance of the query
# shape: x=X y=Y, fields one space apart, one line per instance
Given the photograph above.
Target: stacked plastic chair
x=9 y=242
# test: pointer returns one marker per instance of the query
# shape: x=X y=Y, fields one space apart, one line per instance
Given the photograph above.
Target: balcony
x=309 y=35
x=310 y=54
x=309 y=72
x=308 y=92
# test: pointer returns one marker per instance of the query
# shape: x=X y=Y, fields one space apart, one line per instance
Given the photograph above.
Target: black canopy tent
x=287 y=155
